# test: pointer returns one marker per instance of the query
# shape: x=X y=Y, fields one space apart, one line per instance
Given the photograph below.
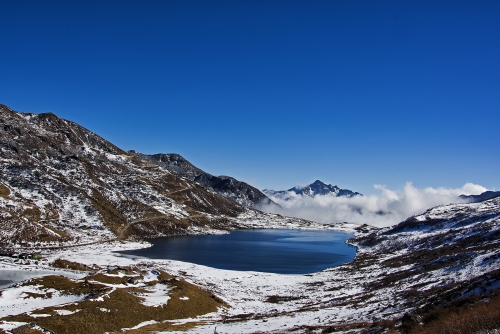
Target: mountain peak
x=316 y=188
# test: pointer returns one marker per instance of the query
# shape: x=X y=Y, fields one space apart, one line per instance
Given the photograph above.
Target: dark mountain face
x=61 y=183
x=238 y=191
x=481 y=197
x=315 y=188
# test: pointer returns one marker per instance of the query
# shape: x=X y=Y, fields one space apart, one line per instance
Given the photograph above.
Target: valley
x=397 y=271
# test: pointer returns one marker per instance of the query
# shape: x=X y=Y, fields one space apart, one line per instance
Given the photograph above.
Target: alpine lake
x=281 y=251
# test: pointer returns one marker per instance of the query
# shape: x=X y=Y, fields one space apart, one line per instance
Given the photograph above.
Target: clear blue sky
x=274 y=93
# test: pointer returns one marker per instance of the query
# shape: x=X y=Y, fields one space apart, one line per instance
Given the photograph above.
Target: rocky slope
x=229 y=187
x=61 y=184
x=311 y=190
x=443 y=257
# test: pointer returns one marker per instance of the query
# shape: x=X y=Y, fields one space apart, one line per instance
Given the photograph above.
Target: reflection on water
x=277 y=250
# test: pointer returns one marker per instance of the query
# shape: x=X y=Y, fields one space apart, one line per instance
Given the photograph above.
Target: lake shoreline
x=281 y=251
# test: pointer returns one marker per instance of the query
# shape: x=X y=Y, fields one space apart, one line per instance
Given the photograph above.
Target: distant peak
x=317 y=188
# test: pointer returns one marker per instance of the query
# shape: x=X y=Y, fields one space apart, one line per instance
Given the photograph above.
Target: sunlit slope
x=63 y=184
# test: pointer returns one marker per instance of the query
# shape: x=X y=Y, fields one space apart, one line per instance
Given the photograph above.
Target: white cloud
x=386 y=208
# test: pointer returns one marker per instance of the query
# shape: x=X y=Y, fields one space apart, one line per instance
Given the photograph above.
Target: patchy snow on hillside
x=450 y=250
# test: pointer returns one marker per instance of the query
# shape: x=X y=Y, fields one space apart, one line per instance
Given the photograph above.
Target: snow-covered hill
x=61 y=184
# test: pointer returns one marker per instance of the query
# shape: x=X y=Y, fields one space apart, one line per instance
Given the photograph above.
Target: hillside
x=411 y=277
x=437 y=272
x=61 y=184
x=238 y=191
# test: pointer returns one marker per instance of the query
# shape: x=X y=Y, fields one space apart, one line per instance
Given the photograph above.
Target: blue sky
x=274 y=93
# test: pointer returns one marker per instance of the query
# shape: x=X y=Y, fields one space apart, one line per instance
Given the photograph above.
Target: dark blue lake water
x=280 y=251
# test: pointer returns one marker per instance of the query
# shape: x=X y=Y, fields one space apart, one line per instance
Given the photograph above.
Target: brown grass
x=62 y=234
x=65 y=264
x=27 y=231
x=4 y=191
x=111 y=216
x=108 y=279
x=128 y=271
x=166 y=225
x=51 y=211
x=124 y=305
x=65 y=285
x=31 y=213
x=462 y=317
x=164 y=276
x=37 y=295
x=26 y=329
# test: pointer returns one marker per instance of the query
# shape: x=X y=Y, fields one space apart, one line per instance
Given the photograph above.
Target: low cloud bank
x=387 y=208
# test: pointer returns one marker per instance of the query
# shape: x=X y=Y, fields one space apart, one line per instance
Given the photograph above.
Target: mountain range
x=314 y=189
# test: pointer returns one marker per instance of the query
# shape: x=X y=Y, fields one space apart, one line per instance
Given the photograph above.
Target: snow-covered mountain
x=312 y=190
x=238 y=191
x=62 y=184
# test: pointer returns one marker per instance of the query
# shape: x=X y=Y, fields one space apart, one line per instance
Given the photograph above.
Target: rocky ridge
x=227 y=186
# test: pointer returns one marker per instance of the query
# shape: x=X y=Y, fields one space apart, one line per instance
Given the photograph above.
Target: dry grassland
x=110 y=309
x=4 y=191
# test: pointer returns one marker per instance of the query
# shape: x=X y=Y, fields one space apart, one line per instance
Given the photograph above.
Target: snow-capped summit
x=320 y=188
x=312 y=190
